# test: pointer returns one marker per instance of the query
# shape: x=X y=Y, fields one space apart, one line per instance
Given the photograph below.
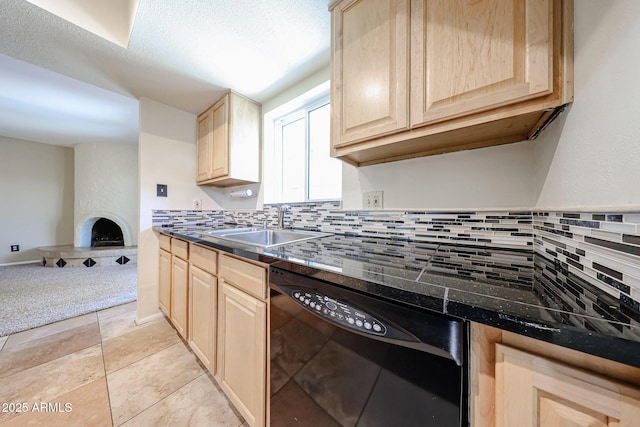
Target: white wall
x=106 y=185
x=36 y=198
x=496 y=177
x=590 y=158
x=166 y=155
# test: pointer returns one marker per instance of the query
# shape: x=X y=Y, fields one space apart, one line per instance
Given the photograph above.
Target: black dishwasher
x=342 y=358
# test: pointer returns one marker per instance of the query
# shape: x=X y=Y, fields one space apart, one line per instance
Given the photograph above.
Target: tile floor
x=101 y=369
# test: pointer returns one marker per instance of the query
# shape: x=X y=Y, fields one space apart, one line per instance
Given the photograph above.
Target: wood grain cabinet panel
x=248 y=277
x=242 y=352
x=220 y=140
x=180 y=248
x=203 y=258
x=165 y=242
x=164 y=285
x=205 y=146
x=520 y=381
x=371 y=48
x=203 y=298
x=213 y=142
x=533 y=391
x=180 y=295
x=472 y=56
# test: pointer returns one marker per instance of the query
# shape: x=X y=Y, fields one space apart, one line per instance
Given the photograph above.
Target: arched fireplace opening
x=106 y=233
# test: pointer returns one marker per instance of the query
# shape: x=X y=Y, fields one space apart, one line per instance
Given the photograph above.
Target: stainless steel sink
x=270 y=238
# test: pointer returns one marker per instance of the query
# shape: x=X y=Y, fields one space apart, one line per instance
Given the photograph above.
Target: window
x=298 y=167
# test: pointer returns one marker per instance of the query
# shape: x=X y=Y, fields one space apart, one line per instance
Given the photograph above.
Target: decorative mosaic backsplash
x=186 y=219
x=506 y=268
x=590 y=262
x=582 y=262
x=496 y=229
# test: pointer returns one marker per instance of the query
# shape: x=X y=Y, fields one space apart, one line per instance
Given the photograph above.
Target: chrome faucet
x=281 y=211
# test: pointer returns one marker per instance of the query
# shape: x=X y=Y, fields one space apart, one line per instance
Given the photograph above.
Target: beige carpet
x=32 y=295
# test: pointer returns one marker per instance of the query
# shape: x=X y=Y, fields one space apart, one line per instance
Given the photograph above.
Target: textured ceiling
x=182 y=53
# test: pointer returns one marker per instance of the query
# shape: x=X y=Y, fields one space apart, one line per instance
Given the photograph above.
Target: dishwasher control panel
x=338 y=312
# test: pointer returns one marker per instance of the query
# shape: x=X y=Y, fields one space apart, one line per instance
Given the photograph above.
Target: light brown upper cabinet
x=370 y=79
x=229 y=142
x=411 y=78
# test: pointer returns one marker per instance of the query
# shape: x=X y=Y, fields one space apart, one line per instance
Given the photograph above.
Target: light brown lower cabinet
x=203 y=296
x=180 y=295
x=532 y=390
x=218 y=304
x=520 y=381
x=242 y=338
x=164 y=284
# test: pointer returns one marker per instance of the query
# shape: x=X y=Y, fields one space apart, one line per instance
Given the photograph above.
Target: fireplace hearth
x=103 y=239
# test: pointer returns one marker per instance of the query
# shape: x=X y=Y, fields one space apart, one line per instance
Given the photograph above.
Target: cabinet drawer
x=205 y=259
x=180 y=248
x=165 y=242
x=249 y=277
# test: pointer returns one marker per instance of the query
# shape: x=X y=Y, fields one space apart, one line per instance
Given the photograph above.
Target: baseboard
x=36 y=261
x=148 y=319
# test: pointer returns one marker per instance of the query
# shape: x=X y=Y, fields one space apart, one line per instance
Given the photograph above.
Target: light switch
x=161 y=190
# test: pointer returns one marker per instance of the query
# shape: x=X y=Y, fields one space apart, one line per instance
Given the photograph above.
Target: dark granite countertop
x=492 y=286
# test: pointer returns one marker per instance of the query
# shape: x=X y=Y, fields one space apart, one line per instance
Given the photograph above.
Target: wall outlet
x=372 y=199
x=15 y=248
x=197 y=204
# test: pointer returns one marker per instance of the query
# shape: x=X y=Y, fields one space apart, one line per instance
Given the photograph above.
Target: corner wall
x=166 y=155
x=590 y=157
x=36 y=205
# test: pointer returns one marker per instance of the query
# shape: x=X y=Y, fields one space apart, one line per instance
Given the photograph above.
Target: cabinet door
x=535 y=391
x=203 y=294
x=220 y=140
x=469 y=56
x=205 y=143
x=164 y=287
x=242 y=350
x=179 y=294
x=369 y=77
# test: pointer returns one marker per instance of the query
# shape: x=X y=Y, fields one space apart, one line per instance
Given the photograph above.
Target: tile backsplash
x=498 y=229
x=589 y=262
x=581 y=261
x=187 y=219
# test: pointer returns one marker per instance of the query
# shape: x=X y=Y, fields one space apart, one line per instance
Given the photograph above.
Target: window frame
x=302 y=112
